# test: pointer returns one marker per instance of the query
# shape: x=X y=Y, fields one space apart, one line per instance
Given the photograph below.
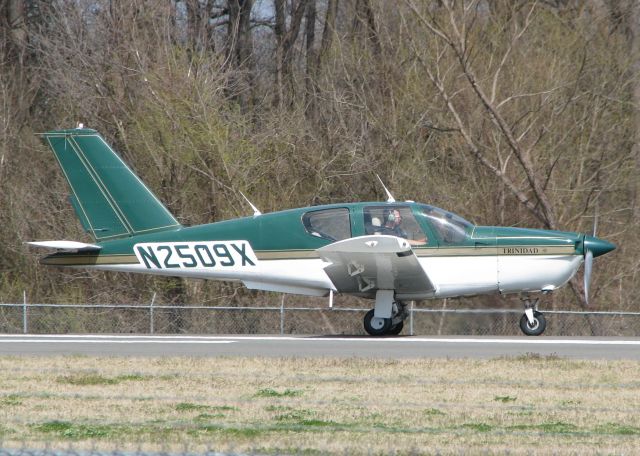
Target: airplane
x=390 y=252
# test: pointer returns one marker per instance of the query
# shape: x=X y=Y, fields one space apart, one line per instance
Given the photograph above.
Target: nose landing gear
x=532 y=322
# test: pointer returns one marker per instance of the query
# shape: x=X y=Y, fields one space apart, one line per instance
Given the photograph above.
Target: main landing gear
x=532 y=322
x=381 y=326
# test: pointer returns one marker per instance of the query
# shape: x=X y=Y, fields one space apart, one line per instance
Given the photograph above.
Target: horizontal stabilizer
x=65 y=245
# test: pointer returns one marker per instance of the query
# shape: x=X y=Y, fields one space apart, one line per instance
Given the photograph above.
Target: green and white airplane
x=390 y=252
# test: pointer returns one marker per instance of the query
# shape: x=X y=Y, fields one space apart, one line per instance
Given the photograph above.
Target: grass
x=268 y=392
x=189 y=407
x=323 y=406
x=10 y=400
x=74 y=431
x=93 y=378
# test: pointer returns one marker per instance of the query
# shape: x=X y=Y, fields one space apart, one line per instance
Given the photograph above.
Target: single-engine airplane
x=391 y=252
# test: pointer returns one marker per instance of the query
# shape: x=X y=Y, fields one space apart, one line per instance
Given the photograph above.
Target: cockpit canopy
x=421 y=224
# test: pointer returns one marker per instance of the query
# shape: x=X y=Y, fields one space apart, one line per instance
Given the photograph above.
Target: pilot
x=393 y=227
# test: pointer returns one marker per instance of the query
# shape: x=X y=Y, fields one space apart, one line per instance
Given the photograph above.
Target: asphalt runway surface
x=320 y=346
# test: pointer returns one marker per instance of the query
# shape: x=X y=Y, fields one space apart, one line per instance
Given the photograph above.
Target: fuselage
x=278 y=251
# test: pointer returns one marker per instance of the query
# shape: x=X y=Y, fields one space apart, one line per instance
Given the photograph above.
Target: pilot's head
x=392 y=217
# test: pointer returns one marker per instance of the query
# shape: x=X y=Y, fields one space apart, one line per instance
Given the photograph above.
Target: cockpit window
x=393 y=221
x=450 y=228
x=331 y=224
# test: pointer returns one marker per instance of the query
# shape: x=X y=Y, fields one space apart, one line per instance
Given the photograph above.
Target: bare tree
x=285 y=41
x=14 y=26
x=240 y=50
x=311 y=58
x=456 y=37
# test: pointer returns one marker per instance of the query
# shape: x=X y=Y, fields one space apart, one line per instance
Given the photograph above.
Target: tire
x=397 y=329
x=376 y=326
x=539 y=324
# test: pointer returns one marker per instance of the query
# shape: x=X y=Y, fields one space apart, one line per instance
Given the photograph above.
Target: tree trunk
x=279 y=32
x=364 y=20
x=328 y=31
x=289 y=41
x=16 y=28
x=240 y=50
x=634 y=29
x=200 y=33
x=310 y=35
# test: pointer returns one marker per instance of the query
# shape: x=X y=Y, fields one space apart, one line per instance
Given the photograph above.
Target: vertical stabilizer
x=109 y=199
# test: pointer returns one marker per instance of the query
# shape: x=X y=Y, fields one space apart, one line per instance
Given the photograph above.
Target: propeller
x=593 y=247
x=588 y=259
x=588 y=265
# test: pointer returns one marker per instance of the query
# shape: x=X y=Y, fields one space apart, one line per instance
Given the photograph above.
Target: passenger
x=376 y=225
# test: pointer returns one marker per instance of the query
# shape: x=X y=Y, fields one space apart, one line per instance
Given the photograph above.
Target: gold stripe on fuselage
x=437 y=252
x=90 y=260
x=286 y=254
x=269 y=255
x=495 y=251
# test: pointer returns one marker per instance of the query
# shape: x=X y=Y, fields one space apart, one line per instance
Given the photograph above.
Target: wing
x=366 y=264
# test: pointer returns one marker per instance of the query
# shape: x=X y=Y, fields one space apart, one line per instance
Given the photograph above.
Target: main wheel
x=397 y=329
x=376 y=326
x=535 y=329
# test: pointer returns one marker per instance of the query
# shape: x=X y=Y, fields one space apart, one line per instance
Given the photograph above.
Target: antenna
x=256 y=212
x=390 y=198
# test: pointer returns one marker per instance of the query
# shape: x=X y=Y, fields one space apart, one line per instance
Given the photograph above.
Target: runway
x=320 y=346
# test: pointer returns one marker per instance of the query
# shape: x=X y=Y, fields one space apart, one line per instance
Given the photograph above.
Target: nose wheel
x=535 y=327
x=532 y=322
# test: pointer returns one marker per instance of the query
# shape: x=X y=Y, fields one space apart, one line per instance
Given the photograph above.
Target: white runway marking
x=124 y=339
x=114 y=336
x=115 y=341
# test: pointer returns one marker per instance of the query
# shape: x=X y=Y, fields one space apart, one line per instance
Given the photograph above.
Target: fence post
x=411 y=319
x=444 y=306
x=153 y=300
x=282 y=316
x=24 y=312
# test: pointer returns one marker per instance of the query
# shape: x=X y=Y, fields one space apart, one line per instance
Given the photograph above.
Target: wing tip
x=64 y=245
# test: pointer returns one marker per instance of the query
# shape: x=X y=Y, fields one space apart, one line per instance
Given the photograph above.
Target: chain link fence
x=161 y=319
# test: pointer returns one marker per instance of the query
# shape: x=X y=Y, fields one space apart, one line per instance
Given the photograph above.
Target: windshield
x=450 y=228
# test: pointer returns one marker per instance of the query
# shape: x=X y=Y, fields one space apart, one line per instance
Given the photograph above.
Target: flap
x=65 y=245
x=366 y=264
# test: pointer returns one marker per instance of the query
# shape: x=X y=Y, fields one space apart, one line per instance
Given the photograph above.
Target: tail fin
x=109 y=199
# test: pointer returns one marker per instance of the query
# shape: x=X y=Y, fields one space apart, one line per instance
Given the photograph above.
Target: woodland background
x=518 y=113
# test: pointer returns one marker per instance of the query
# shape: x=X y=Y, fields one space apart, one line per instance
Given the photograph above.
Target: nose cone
x=597 y=246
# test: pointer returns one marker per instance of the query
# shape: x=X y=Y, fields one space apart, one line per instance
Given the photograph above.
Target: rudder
x=109 y=199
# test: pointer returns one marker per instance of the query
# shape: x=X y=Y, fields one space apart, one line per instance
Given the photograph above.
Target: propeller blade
x=588 y=264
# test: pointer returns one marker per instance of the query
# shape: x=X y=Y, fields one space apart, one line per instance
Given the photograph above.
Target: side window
x=331 y=224
x=394 y=221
